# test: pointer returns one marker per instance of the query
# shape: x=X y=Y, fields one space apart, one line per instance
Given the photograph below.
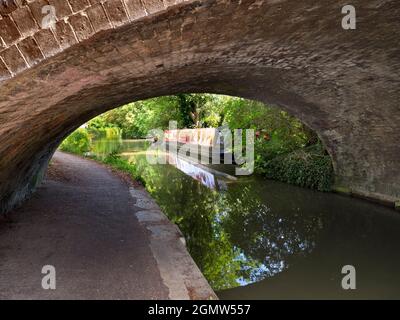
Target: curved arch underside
x=294 y=54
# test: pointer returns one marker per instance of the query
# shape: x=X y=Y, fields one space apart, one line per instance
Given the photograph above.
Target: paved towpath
x=83 y=221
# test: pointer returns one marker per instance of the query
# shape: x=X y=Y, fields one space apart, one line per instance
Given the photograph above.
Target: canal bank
x=105 y=238
x=263 y=239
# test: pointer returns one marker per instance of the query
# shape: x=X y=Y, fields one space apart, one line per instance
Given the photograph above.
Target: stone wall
x=100 y=54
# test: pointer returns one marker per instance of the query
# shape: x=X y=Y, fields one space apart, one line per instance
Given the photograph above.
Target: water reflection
x=204 y=177
x=262 y=231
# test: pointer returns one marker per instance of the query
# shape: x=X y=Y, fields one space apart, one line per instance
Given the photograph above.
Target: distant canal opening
x=258 y=238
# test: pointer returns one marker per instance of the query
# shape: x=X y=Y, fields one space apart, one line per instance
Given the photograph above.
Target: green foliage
x=78 y=142
x=278 y=135
x=310 y=167
x=282 y=143
x=277 y=131
x=200 y=110
x=102 y=148
x=136 y=119
x=99 y=128
x=115 y=161
x=285 y=150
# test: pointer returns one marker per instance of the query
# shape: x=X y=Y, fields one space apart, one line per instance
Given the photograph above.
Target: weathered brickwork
x=76 y=21
x=102 y=53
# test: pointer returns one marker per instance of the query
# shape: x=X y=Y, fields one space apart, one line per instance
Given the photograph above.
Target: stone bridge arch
x=102 y=53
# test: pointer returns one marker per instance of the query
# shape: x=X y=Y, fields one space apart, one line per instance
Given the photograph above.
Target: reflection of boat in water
x=189 y=149
x=211 y=178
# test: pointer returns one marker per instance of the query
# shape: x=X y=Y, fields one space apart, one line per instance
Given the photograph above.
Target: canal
x=259 y=239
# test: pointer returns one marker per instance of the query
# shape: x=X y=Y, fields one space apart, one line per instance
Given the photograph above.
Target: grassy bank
x=123 y=165
x=80 y=143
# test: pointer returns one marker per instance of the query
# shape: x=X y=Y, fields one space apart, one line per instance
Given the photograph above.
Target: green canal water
x=260 y=239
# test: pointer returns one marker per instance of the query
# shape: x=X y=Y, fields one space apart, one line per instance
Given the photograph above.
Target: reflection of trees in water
x=193 y=208
x=103 y=148
x=233 y=237
x=271 y=238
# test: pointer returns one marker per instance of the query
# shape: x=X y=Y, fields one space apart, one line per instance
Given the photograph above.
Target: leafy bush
x=78 y=142
x=309 y=167
x=104 y=133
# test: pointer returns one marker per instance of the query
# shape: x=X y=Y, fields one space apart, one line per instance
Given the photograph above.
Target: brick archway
x=101 y=54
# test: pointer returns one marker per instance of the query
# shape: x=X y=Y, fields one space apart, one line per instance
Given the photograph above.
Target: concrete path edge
x=177 y=268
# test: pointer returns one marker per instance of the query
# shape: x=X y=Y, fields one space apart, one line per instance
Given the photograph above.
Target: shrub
x=77 y=142
x=309 y=167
